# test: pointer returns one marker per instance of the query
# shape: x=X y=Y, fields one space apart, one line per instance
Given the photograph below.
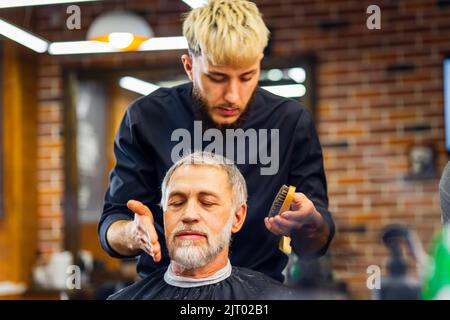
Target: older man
x=204 y=201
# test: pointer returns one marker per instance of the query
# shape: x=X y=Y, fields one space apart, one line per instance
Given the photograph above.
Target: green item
x=436 y=284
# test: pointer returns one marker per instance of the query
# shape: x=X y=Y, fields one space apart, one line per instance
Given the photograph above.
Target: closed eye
x=176 y=204
x=208 y=204
x=217 y=79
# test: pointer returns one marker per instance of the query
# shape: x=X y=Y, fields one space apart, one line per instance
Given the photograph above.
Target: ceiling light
x=297 y=74
x=137 y=85
x=79 y=47
x=26 y=3
x=85 y=47
x=164 y=43
x=195 y=3
x=275 y=75
x=23 y=37
x=120 y=40
x=122 y=29
x=288 y=90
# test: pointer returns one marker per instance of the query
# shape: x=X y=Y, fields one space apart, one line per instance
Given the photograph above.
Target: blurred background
x=376 y=92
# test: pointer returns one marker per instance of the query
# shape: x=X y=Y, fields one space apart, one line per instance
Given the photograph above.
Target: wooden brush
x=282 y=203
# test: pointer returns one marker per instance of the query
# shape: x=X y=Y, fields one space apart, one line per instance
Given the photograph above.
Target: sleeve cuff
x=329 y=220
x=103 y=229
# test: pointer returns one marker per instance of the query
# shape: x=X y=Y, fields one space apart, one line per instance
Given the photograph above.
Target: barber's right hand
x=143 y=230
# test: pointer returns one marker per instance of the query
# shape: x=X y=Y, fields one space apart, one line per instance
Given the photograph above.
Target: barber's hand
x=303 y=215
x=143 y=230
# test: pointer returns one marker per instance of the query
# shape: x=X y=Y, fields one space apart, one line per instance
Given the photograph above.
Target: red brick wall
x=367 y=117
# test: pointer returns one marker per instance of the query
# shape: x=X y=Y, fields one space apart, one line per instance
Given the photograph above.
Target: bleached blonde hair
x=226 y=32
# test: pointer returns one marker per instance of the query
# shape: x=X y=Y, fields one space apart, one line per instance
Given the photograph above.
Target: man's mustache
x=184 y=228
x=228 y=106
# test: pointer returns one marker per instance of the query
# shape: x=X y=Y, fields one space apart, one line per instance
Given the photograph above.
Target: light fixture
x=85 y=47
x=26 y=3
x=287 y=90
x=79 y=47
x=297 y=74
x=23 y=37
x=195 y=3
x=123 y=30
x=120 y=40
x=164 y=43
x=275 y=75
x=136 y=85
x=135 y=34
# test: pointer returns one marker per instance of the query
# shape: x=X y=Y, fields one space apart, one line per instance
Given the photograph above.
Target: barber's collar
x=184 y=282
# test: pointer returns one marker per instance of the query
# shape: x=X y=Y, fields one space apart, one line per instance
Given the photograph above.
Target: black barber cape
x=143 y=148
x=242 y=284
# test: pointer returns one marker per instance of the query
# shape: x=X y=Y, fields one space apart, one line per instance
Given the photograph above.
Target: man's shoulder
x=134 y=291
x=160 y=100
x=282 y=106
x=254 y=275
x=267 y=287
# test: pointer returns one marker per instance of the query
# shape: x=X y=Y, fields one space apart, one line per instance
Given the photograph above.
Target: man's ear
x=239 y=218
x=187 y=64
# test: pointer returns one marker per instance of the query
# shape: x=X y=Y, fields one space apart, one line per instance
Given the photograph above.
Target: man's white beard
x=190 y=255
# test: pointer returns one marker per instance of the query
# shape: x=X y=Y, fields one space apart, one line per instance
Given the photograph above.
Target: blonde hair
x=226 y=32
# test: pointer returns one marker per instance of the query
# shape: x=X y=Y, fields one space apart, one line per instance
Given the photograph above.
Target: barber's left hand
x=303 y=213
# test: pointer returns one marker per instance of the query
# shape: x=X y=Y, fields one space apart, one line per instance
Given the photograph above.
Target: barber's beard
x=202 y=112
x=190 y=254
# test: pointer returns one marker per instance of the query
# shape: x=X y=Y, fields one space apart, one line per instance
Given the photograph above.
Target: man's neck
x=218 y=263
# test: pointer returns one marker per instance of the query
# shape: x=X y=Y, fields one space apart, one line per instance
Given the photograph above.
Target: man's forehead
x=178 y=191
x=211 y=67
x=198 y=175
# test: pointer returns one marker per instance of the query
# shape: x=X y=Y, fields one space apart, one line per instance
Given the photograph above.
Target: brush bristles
x=279 y=200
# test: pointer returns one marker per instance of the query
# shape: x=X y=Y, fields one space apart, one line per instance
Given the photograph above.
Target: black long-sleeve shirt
x=143 y=150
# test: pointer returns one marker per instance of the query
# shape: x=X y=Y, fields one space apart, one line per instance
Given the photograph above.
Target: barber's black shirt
x=143 y=150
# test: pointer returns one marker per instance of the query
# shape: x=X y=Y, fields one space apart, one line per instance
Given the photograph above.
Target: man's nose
x=191 y=213
x=232 y=92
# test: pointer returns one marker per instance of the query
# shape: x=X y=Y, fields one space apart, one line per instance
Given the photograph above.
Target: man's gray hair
x=235 y=179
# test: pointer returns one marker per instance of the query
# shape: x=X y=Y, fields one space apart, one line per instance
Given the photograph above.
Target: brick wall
x=378 y=93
